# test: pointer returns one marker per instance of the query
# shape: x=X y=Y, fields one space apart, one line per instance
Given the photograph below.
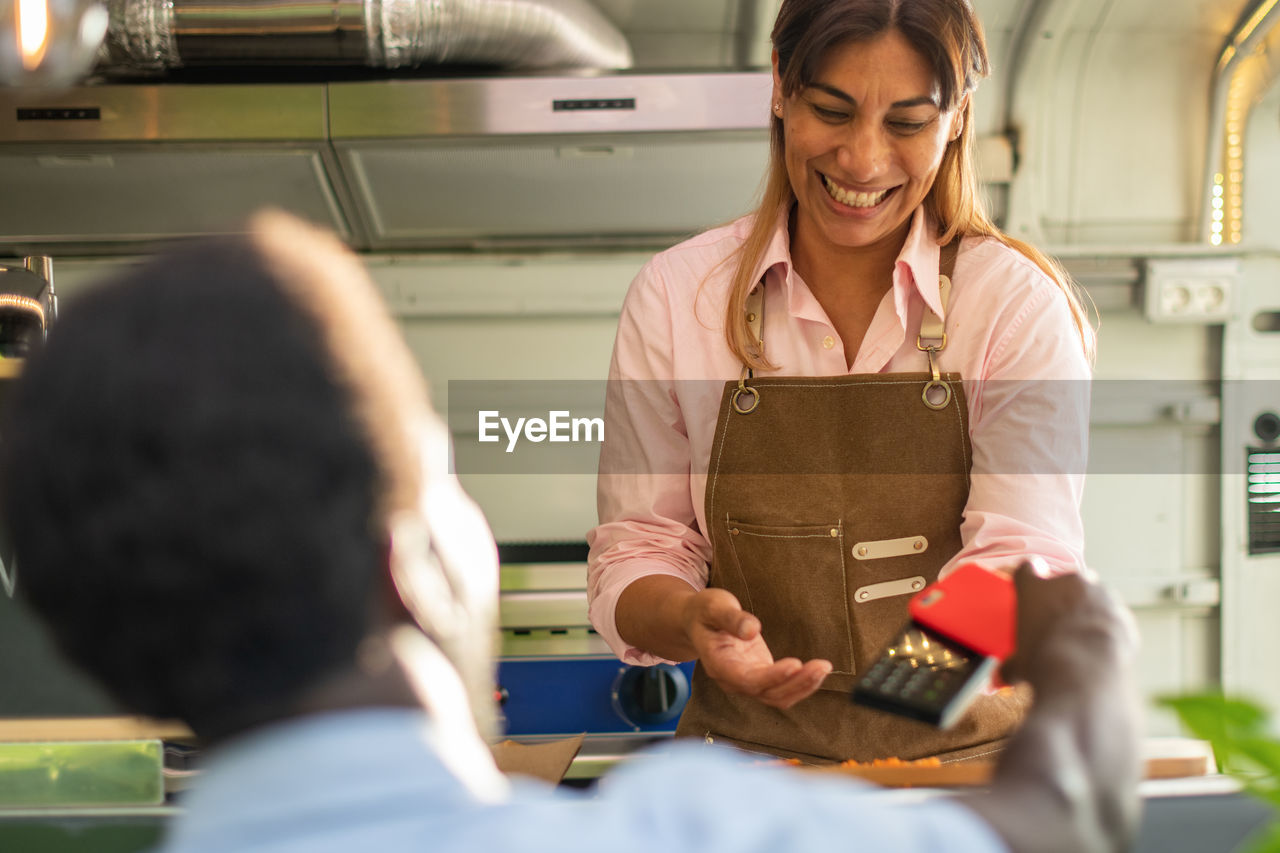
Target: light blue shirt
x=368 y=782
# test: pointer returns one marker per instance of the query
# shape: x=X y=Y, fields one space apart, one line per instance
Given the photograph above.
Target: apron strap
x=933 y=327
x=932 y=338
x=933 y=331
x=746 y=398
x=755 y=314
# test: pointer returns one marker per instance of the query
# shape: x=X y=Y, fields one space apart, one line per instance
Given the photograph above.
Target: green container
x=81 y=773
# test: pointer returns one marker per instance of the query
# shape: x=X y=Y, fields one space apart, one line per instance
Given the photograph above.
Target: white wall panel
x=518 y=318
x=1112 y=106
x=1132 y=141
x=1261 y=218
x=1178 y=654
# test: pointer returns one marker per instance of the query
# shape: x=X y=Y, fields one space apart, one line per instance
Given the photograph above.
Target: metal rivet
x=835 y=531
x=710 y=739
x=733 y=530
x=916 y=584
x=864 y=595
x=862 y=552
x=918 y=545
x=751 y=318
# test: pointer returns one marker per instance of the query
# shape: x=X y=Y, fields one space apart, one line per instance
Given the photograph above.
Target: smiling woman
x=831 y=416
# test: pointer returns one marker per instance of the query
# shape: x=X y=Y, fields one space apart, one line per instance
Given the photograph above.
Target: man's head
x=202 y=469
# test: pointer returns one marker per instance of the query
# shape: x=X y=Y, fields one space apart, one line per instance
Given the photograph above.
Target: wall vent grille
x=1263 y=484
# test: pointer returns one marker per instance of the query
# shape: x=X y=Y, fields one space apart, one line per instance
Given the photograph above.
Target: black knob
x=650 y=695
x=656 y=691
x=1267 y=426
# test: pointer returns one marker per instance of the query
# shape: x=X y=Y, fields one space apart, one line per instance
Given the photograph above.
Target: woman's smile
x=860 y=202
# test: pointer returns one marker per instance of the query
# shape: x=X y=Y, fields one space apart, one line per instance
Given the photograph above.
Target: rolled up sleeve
x=647 y=524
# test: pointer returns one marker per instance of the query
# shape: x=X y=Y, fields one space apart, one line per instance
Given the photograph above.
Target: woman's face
x=864 y=142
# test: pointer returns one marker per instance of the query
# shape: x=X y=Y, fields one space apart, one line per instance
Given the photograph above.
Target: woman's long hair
x=948 y=35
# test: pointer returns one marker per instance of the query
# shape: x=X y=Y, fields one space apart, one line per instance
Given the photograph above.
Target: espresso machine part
x=28 y=305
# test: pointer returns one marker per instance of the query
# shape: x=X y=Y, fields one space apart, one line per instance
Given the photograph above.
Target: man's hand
x=733 y=652
x=1065 y=625
x=1068 y=780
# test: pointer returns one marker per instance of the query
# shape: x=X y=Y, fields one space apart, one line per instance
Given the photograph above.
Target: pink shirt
x=1006 y=320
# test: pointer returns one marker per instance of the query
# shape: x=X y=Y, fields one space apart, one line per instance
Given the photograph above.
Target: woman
x=773 y=527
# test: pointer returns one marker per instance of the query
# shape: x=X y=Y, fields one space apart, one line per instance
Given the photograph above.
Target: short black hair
x=189 y=494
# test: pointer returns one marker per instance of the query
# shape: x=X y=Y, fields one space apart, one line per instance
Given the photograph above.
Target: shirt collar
x=916 y=269
x=776 y=260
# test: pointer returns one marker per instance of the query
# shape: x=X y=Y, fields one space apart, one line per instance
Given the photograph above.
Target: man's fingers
x=1034 y=590
x=1045 y=604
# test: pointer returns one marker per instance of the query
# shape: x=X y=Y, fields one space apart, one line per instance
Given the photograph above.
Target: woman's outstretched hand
x=733 y=652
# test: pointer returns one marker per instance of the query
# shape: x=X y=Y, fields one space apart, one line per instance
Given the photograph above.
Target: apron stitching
x=964 y=455
x=786 y=535
x=716 y=476
x=844 y=575
x=742 y=576
x=776 y=384
x=974 y=755
x=844 y=581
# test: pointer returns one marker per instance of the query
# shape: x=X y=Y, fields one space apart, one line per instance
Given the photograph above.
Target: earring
x=777 y=108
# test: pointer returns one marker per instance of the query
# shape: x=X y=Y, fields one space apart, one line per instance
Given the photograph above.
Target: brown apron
x=830 y=501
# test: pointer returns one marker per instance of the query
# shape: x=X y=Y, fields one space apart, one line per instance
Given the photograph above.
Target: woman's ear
x=958 y=117
x=776 y=100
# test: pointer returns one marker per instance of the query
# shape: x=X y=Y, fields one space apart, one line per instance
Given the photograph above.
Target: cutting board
x=20 y=729
x=980 y=772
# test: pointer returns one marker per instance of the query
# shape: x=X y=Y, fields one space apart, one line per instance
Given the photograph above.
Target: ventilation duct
x=151 y=36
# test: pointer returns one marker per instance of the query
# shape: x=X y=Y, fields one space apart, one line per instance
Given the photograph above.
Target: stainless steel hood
x=546 y=161
x=428 y=163
x=641 y=158
x=106 y=168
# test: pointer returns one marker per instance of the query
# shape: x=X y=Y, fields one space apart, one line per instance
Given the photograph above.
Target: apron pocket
x=793 y=578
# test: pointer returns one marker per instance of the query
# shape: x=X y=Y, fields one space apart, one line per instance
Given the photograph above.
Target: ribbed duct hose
x=154 y=35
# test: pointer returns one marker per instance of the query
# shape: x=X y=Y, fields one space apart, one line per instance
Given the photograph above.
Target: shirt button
x=828 y=342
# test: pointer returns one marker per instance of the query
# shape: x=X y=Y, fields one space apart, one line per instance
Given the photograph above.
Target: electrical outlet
x=1190 y=290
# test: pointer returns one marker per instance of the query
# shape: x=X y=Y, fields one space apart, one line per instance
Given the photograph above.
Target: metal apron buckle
x=744 y=388
x=936 y=381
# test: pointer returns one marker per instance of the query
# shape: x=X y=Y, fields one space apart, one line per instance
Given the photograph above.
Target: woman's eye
x=833 y=116
x=907 y=127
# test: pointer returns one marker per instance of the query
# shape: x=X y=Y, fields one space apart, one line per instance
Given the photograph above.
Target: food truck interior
x=504 y=203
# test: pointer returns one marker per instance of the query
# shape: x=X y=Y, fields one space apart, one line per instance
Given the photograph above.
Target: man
x=230 y=499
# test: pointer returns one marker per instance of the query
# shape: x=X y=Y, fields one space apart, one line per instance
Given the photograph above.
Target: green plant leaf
x=1265 y=841
x=1236 y=728
x=1240 y=733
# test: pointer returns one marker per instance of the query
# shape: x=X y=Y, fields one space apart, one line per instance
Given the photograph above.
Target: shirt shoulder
x=706 y=260
x=677 y=300
x=1013 y=305
x=998 y=269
